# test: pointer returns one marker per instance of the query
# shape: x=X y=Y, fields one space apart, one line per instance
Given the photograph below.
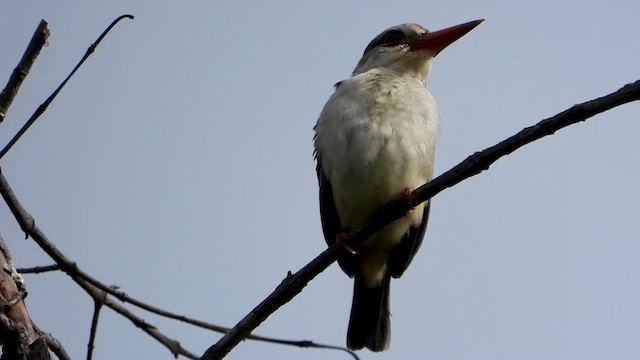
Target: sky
x=177 y=164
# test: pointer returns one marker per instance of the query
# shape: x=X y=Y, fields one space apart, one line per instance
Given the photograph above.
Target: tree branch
x=53 y=344
x=471 y=166
x=97 y=306
x=19 y=335
x=38 y=269
x=41 y=109
x=100 y=296
x=38 y=40
x=93 y=287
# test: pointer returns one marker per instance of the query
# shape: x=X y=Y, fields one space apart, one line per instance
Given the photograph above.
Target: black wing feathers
x=402 y=254
x=331 y=222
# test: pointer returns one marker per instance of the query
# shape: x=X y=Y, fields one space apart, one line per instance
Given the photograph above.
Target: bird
x=375 y=142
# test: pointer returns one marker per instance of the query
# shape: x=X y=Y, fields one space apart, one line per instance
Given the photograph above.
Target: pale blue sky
x=177 y=164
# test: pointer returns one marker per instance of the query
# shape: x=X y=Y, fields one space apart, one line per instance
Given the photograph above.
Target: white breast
x=376 y=136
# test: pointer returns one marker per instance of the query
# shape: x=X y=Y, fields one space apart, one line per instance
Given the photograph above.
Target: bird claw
x=407 y=199
x=342 y=239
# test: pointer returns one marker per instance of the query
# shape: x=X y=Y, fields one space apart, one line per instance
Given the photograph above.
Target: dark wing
x=331 y=221
x=402 y=254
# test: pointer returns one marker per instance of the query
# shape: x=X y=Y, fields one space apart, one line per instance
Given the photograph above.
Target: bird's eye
x=393 y=37
x=389 y=38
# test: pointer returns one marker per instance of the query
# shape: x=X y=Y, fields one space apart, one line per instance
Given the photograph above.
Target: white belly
x=372 y=179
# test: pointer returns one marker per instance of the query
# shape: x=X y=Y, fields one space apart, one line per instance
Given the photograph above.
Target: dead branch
x=53 y=344
x=38 y=40
x=38 y=269
x=19 y=336
x=43 y=107
x=97 y=290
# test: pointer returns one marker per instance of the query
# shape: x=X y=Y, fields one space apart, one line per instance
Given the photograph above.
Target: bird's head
x=408 y=49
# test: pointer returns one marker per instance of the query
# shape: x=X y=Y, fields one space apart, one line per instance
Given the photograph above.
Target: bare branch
x=38 y=350
x=94 y=288
x=41 y=109
x=56 y=346
x=19 y=335
x=471 y=166
x=38 y=40
x=307 y=344
x=481 y=161
x=171 y=344
x=16 y=328
x=53 y=344
x=38 y=269
x=94 y=327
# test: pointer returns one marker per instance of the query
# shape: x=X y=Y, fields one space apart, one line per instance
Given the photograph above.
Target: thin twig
x=38 y=40
x=171 y=344
x=97 y=306
x=38 y=269
x=41 y=109
x=310 y=344
x=473 y=165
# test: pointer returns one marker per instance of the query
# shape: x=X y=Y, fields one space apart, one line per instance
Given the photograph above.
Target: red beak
x=438 y=40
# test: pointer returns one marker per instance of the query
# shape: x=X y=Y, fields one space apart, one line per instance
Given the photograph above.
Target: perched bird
x=375 y=142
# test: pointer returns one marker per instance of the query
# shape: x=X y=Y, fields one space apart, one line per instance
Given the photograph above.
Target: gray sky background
x=178 y=165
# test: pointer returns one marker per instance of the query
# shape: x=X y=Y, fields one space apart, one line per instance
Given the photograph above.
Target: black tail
x=369 y=322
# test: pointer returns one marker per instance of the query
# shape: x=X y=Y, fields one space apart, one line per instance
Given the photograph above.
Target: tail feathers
x=369 y=322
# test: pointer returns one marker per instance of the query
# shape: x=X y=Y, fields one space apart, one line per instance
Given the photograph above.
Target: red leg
x=341 y=242
x=405 y=196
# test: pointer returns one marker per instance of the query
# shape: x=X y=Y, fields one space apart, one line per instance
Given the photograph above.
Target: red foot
x=341 y=243
x=405 y=196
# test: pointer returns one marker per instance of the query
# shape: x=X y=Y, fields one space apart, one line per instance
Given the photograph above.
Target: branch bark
x=19 y=336
x=473 y=165
x=38 y=40
x=17 y=331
